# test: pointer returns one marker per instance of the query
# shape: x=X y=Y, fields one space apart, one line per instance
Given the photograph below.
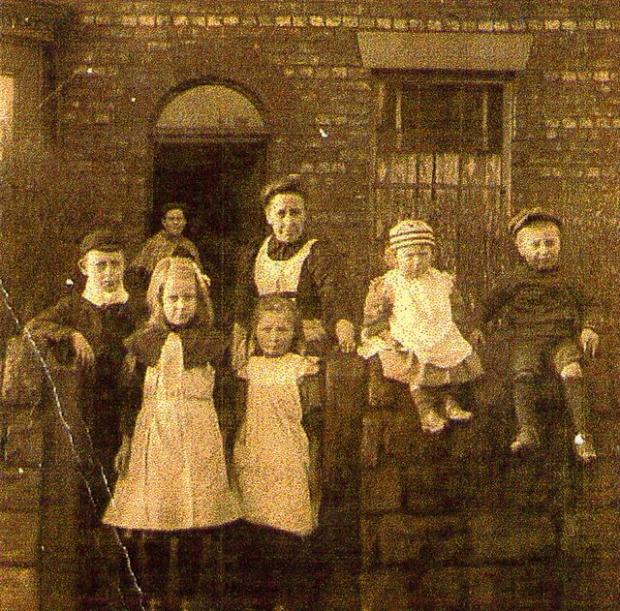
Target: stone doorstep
x=19 y=589
x=19 y=538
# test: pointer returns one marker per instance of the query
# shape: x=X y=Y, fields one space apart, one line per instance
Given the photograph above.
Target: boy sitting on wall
x=552 y=325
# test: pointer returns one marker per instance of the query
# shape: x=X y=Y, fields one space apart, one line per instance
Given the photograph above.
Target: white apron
x=273 y=277
x=176 y=477
x=271 y=455
x=421 y=318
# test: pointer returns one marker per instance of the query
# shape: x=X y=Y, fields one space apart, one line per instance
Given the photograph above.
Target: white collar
x=99 y=298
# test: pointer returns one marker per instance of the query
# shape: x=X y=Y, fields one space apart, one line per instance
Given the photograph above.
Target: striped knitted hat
x=411 y=233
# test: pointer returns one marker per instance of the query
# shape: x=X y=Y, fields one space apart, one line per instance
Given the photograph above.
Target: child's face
x=174 y=222
x=414 y=261
x=275 y=332
x=539 y=244
x=286 y=213
x=180 y=299
x=103 y=269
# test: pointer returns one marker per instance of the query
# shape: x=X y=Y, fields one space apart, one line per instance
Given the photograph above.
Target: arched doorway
x=210 y=144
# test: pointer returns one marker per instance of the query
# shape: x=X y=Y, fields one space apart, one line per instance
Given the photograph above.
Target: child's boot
x=430 y=420
x=526 y=440
x=154 y=603
x=584 y=448
x=455 y=412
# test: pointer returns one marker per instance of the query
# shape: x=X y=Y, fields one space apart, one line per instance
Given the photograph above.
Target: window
x=6 y=111
x=443 y=155
x=442 y=117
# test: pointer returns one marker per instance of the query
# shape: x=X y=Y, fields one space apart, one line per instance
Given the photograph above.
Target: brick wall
x=300 y=62
x=20 y=494
x=118 y=61
x=452 y=521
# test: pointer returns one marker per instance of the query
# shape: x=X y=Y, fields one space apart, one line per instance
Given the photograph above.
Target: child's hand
x=477 y=338
x=589 y=341
x=83 y=350
x=121 y=461
x=345 y=332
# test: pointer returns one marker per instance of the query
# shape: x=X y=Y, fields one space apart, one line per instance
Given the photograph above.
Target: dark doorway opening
x=220 y=183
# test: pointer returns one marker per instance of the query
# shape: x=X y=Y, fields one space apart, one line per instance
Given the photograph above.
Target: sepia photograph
x=309 y=305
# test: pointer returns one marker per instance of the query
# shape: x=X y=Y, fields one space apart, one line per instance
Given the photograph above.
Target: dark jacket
x=540 y=304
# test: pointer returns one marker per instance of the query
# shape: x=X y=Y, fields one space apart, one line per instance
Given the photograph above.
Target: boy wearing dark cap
x=552 y=322
x=166 y=243
x=90 y=327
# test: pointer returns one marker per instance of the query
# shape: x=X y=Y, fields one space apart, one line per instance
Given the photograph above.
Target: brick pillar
x=20 y=493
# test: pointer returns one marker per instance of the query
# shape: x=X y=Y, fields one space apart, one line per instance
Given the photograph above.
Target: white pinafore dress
x=176 y=477
x=421 y=319
x=272 y=455
x=279 y=277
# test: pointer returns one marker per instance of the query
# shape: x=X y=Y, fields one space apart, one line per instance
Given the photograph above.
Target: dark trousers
x=533 y=359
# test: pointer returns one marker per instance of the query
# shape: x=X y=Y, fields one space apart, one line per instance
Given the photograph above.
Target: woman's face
x=414 y=261
x=275 y=332
x=180 y=299
x=174 y=222
x=286 y=213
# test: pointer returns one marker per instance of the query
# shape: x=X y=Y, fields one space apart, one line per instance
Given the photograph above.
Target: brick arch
x=239 y=66
x=257 y=101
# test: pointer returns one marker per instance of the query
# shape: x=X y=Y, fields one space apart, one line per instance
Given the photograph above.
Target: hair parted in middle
x=284 y=305
x=170 y=266
x=292 y=183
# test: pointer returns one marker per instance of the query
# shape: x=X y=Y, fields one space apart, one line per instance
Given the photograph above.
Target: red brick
x=19 y=537
x=385 y=590
x=20 y=489
x=381 y=489
x=19 y=589
x=507 y=536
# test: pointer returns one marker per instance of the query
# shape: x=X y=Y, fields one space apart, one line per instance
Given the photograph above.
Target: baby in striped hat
x=409 y=324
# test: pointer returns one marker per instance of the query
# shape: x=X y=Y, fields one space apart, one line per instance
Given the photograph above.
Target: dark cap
x=173 y=206
x=100 y=239
x=531 y=215
x=287 y=184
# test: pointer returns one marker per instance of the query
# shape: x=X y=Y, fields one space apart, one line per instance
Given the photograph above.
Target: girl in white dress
x=171 y=465
x=274 y=461
x=410 y=322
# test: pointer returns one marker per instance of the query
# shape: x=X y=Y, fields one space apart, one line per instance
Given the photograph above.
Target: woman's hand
x=476 y=338
x=313 y=330
x=121 y=462
x=83 y=349
x=345 y=332
x=311 y=365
